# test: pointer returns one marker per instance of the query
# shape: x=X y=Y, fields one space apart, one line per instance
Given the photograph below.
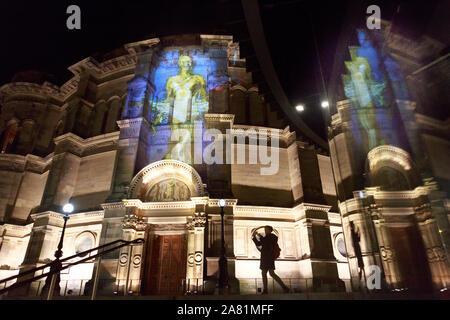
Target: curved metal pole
x=256 y=31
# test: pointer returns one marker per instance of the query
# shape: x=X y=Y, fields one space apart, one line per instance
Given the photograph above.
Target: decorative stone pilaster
x=435 y=251
x=195 y=251
x=392 y=274
x=130 y=257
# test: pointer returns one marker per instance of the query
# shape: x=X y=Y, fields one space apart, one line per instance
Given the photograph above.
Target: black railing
x=121 y=243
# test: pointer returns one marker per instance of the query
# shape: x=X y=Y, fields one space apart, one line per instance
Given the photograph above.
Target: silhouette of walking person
x=356 y=239
x=269 y=245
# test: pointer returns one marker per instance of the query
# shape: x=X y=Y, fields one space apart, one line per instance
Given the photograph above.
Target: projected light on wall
x=174 y=97
x=181 y=89
x=372 y=83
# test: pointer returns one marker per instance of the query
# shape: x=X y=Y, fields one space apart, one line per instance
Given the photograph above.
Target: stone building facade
x=118 y=141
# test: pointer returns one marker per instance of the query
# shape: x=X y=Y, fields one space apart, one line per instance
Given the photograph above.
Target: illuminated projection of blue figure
x=182 y=80
x=181 y=89
x=136 y=95
x=365 y=86
x=184 y=91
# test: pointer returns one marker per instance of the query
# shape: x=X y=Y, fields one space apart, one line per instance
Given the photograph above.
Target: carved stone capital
x=134 y=222
x=198 y=220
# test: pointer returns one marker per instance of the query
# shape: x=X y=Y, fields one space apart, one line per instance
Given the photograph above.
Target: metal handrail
x=19 y=284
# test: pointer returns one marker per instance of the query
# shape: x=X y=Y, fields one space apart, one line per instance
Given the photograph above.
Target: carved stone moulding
x=166 y=227
x=134 y=222
x=81 y=147
x=198 y=220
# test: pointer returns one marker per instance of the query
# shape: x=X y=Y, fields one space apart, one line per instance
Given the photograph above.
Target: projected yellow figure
x=363 y=90
x=185 y=90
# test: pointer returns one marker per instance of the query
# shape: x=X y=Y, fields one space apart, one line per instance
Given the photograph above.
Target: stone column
x=439 y=212
x=391 y=272
x=365 y=218
x=128 y=279
x=195 y=254
x=190 y=254
x=436 y=255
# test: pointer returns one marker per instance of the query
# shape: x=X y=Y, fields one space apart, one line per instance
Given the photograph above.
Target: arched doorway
x=392 y=170
x=167 y=186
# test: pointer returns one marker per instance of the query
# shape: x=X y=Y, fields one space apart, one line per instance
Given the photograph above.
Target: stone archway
x=169 y=175
x=173 y=253
x=390 y=166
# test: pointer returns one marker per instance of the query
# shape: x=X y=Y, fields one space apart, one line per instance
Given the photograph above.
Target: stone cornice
x=141 y=46
x=219 y=117
x=285 y=135
x=29 y=162
x=16 y=231
x=80 y=146
x=47 y=89
x=435 y=63
x=43 y=91
x=136 y=203
x=106 y=68
x=425 y=121
x=312 y=206
x=404 y=200
x=228 y=202
x=112 y=205
x=57 y=219
x=128 y=123
x=245 y=210
x=401 y=195
x=216 y=40
x=99 y=70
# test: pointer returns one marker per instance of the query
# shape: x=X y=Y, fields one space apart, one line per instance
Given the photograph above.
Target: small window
x=84 y=242
x=340 y=245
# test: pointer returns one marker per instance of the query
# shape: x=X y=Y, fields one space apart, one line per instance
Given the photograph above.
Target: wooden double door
x=165 y=265
x=411 y=259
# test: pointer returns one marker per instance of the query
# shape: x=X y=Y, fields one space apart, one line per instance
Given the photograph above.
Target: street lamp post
x=52 y=282
x=223 y=268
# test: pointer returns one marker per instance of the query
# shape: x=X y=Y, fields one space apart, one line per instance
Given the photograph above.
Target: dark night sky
x=34 y=35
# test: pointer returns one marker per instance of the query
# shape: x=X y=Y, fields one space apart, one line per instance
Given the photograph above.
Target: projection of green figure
x=187 y=100
x=185 y=90
x=365 y=93
x=181 y=83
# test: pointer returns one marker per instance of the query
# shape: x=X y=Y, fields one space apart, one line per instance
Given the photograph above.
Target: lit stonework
x=101 y=142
